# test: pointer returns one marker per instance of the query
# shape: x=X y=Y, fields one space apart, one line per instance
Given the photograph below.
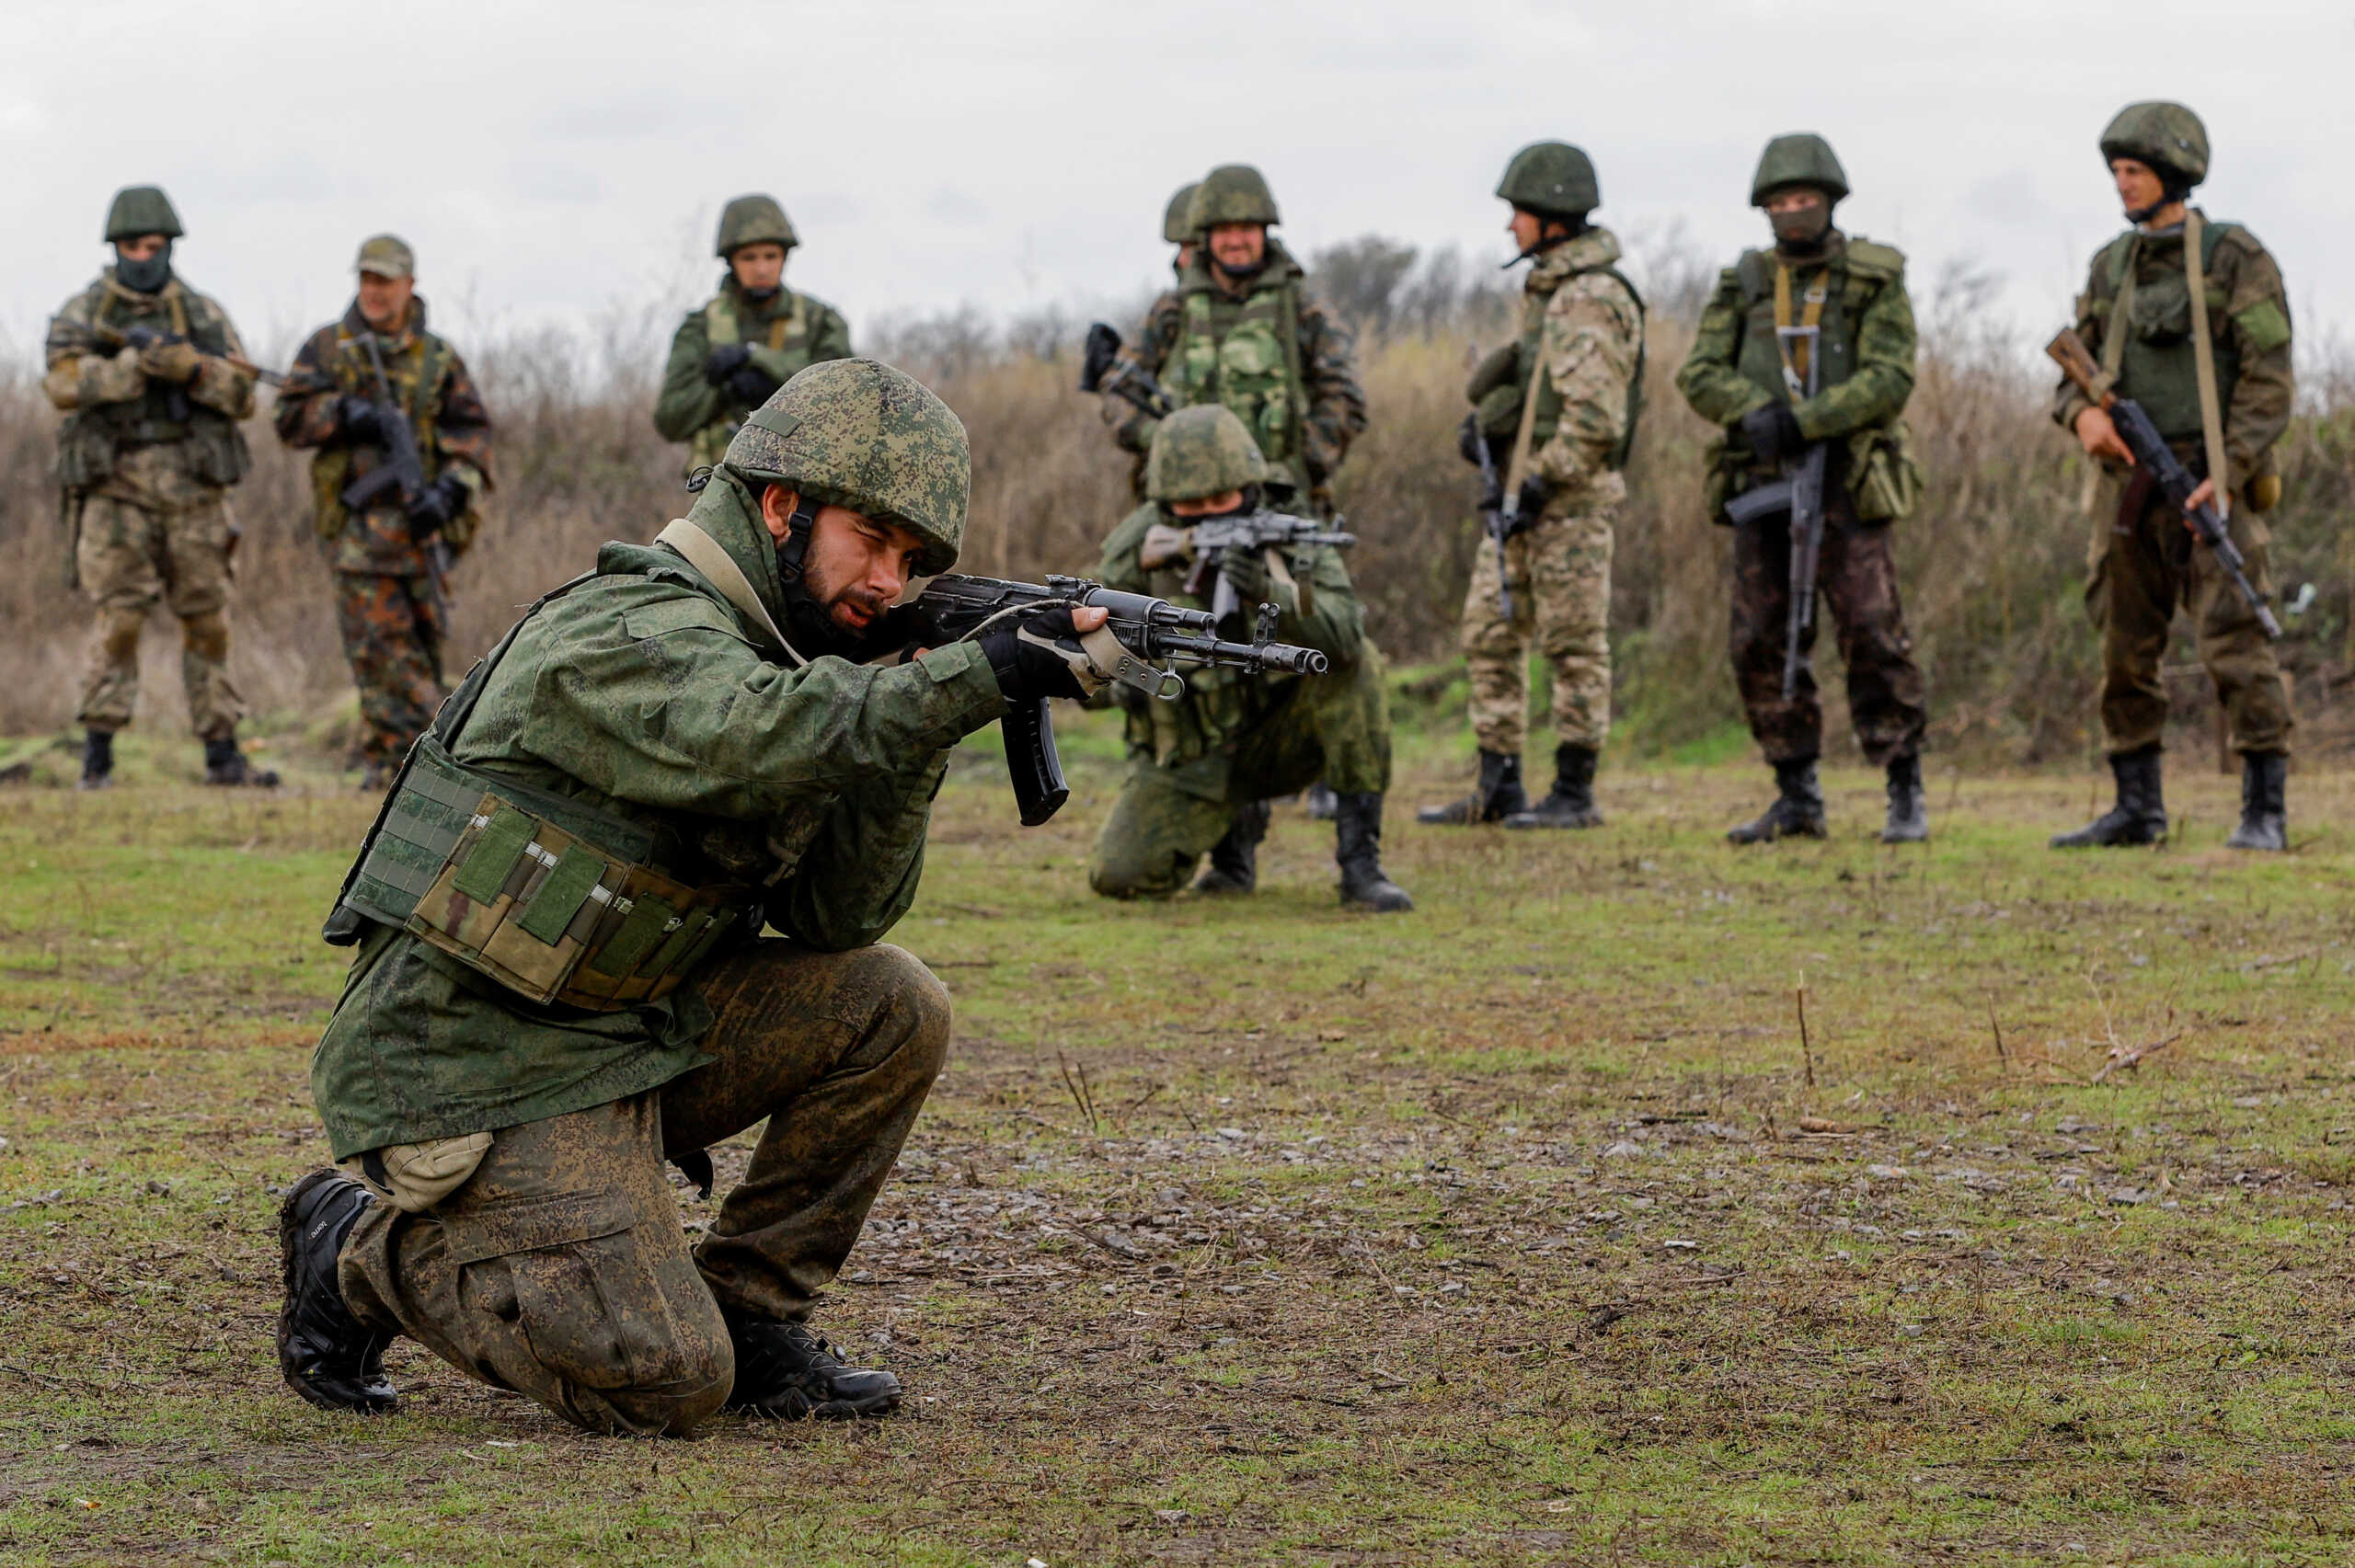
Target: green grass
x=1522 y=1228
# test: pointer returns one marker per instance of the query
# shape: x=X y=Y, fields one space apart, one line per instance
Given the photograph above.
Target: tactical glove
x=724 y=362
x=175 y=363
x=357 y=419
x=1040 y=655
x=1470 y=438
x=1773 y=432
x=1245 y=571
x=445 y=498
x=752 y=385
x=1534 y=494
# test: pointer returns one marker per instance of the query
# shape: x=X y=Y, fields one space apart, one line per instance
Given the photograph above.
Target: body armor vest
x=723 y=324
x=1529 y=350
x=1245 y=354
x=2159 y=366
x=90 y=441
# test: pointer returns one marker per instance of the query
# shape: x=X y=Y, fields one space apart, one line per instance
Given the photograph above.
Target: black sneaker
x=786 y=1373
x=327 y=1356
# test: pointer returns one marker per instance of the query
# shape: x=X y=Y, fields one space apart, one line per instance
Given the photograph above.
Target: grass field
x=1527 y=1227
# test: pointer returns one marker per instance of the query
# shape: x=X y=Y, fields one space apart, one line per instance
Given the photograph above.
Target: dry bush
x=1993 y=566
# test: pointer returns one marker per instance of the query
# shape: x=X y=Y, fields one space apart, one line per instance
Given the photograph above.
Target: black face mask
x=760 y=296
x=147 y=275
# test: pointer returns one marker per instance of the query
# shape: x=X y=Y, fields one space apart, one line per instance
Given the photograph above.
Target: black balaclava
x=1804 y=232
x=147 y=275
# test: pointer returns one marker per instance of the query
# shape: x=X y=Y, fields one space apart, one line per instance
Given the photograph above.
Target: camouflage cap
x=142 y=210
x=2165 y=135
x=754 y=220
x=858 y=434
x=1551 y=179
x=1201 y=451
x=1232 y=193
x=385 y=255
x=1173 y=217
x=1800 y=158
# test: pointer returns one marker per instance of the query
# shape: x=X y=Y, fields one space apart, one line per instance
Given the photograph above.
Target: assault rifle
x=1498 y=514
x=1103 y=368
x=2156 y=458
x=402 y=473
x=1209 y=541
x=142 y=339
x=1798 y=496
x=1154 y=636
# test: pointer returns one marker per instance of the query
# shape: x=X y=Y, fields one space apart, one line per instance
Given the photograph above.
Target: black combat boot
x=1358 y=848
x=1797 y=811
x=98 y=760
x=2140 y=815
x=224 y=764
x=1571 y=803
x=1235 y=859
x=2265 y=820
x=1909 y=813
x=1323 y=804
x=1497 y=795
x=786 y=1373
x=327 y=1356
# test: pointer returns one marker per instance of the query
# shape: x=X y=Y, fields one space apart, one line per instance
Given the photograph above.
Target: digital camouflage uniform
x=147 y=466
x=642 y=704
x=392 y=612
x=1585 y=326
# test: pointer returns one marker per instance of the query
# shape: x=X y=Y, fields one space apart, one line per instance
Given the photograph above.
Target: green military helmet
x=858 y=433
x=1173 y=219
x=142 y=210
x=2166 y=136
x=1202 y=452
x=1800 y=158
x=1232 y=193
x=1551 y=179
x=754 y=220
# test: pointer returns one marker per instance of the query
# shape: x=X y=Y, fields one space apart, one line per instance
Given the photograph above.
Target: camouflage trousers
x=1857 y=579
x=559 y=1269
x=1334 y=727
x=2145 y=562
x=392 y=631
x=1559 y=569
x=130 y=559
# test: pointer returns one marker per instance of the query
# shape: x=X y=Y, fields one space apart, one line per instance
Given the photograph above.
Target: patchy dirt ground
x=1528 y=1228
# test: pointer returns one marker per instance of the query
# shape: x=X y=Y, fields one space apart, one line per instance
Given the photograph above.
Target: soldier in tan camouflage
x=1556 y=410
x=152 y=380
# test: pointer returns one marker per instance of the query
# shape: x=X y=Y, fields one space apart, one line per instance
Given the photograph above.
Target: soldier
x=649 y=770
x=1203 y=768
x=1120 y=412
x=748 y=339
x=389 y=545
x=1174 y=220
x=1818 y=296
x=2191 y=320
x=1556 y=410
x=152 y=380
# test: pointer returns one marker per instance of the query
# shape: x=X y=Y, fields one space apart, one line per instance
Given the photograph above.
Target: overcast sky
x=557 y=162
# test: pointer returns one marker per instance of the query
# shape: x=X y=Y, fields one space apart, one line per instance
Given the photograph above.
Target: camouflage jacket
x=1330 y=398
x=2248 y=322
x=165 y=448
x=1584 y=324
x=787 y=334
x=642 y=692
x=445 y=413
x=1321 y=611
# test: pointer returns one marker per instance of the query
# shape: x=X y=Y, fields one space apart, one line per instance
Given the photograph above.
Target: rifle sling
x=707 y=555
x=2204 y=361
x=1795 y=373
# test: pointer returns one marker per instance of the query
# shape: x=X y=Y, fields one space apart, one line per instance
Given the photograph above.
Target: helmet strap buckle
x=794 y=545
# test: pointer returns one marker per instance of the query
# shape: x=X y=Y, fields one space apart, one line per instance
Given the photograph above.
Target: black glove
x=752 y=385
x=724 y=362
x=1039 y=655
x=357 y=420
x=445 y=498
x=1773 y=432
x=1470 y=438
x=1246 y=572
x=1534 y=494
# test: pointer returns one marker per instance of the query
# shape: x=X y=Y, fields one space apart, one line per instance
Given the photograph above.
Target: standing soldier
x=152 y=380
x=1174 y=220
x=1203 y=767
x=2191 y=320
x=748 y=339
x=364 y=392
x=1826 y=309
x=1556 y=410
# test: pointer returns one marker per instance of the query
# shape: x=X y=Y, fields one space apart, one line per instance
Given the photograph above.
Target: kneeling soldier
x=560 y=980
x=1204 y=766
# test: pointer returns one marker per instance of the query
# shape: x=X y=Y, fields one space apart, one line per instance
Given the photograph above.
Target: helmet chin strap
x=794 y=545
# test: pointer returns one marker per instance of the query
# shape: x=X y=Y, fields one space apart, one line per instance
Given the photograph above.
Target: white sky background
x=564 y=163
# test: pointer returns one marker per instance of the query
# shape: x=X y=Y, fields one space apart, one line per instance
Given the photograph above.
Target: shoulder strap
x=707 y=555
x=2122 y=301
x=1299 y=414
x=2196 y=244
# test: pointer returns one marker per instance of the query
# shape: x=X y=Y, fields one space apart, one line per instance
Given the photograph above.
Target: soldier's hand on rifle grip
x=724 y=362
x=444 y=499
x=356 y=419
x=1534 y=494
x=1469 y=438
x=177 y=362
x=2098 y=435
x=1773 y=432
x=1040 y=655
